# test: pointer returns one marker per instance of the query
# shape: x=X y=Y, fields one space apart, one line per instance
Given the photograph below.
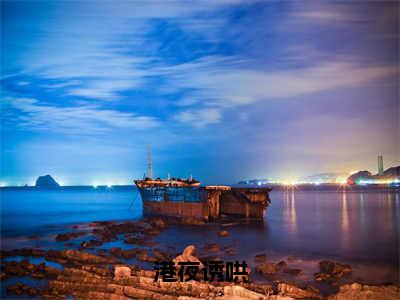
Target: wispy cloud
x=77 y=120
x=199 y=117
x=226 y=84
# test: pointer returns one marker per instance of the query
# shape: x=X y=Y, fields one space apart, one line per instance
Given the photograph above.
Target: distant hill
x=360 y=175
x=387 y=174
x=46 y=181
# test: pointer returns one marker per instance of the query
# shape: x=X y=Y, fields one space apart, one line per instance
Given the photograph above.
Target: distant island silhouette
x=46 y=181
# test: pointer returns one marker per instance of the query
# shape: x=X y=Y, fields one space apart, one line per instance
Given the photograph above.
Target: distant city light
x=341 y=180
x=378 y=181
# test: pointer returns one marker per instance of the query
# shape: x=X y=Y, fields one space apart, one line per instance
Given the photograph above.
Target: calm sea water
x=358 y=227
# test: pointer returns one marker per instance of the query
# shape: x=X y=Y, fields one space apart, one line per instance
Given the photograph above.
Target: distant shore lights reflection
x=290 y=211
x=345 y=221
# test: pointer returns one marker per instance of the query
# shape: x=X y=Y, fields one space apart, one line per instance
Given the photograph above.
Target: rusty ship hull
x=202 y=202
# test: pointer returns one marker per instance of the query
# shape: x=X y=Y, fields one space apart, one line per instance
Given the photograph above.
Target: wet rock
x=242 y=293
x=294 y=272
x=22 y=252
x=211 y=247
x=290 y=259
x=109 y=231
x=281 y=265
x=207 y=258
x=75 y=256
x=293 y=291
x=129 y=253
x=158 y=222
x=192 y=221
x=230 y=250
x=25 y=268
x=267 y=268
x=63 y=237
x=138 y=241
x=357 y=291
x=144 y=256
x=223 y=233
x=21 y=289
x=13 y=268
x=105 y=272
x=160 y=255
x=121 y=272
x=91 y=244
x=101 y=223
x=331 y=271
x=259 y=258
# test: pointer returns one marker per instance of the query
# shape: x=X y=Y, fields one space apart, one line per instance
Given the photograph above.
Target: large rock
x=21 y=289
x=75 y=256
x=331 y=271
x=267 y=268
x=46 y=181
x=188 y=254
x=357 y=291
x=293 y=291
x=259 y=258
x=223 y=233
x=241 y=292
x=63 y=237
x=122 y=272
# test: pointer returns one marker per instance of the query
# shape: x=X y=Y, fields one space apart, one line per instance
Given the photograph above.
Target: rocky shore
x=85 y=270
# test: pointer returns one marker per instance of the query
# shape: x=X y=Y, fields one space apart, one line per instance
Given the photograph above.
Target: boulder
x=294 y=272
x=358 y=291
x=331 y=271
x=158 y=222
x=121 y=272
x=76 y=257
x=160 y=255
x=223 y=233
x=144 y=256
x=212 y=247
x=22 y=289
x=281 y=265
x=188 y=254
x=259 y=258
x=293 y=291
x=267 y=268
x=63 y=237
x=91 y=244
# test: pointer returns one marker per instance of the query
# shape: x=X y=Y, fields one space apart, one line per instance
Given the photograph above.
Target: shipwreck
x=187 y=198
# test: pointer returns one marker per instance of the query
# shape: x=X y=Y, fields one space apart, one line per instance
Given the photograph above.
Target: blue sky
x=223 y=90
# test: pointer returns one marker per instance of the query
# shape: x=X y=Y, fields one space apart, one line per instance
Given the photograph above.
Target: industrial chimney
x=380 y=165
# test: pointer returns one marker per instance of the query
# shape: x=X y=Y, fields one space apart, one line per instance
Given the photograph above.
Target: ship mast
x=149 y=164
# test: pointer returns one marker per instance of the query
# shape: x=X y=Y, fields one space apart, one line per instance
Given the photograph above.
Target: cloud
x=77 y=120
x=61 y=85
x=200 y=117
x=222 y=83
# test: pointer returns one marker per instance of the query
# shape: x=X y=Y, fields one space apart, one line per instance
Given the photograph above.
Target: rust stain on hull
x=208 y=203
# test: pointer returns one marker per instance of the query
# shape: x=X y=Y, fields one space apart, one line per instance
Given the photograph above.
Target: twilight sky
x=225 y=90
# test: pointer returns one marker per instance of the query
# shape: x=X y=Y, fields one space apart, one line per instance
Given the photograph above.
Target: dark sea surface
x=357 y=227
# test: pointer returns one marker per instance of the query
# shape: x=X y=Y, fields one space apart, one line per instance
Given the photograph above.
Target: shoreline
x=142 y=250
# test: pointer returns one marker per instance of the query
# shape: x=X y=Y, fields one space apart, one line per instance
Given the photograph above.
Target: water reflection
x=390 y=212
x=289 y=211
x=362 y=212
x=345 y=222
